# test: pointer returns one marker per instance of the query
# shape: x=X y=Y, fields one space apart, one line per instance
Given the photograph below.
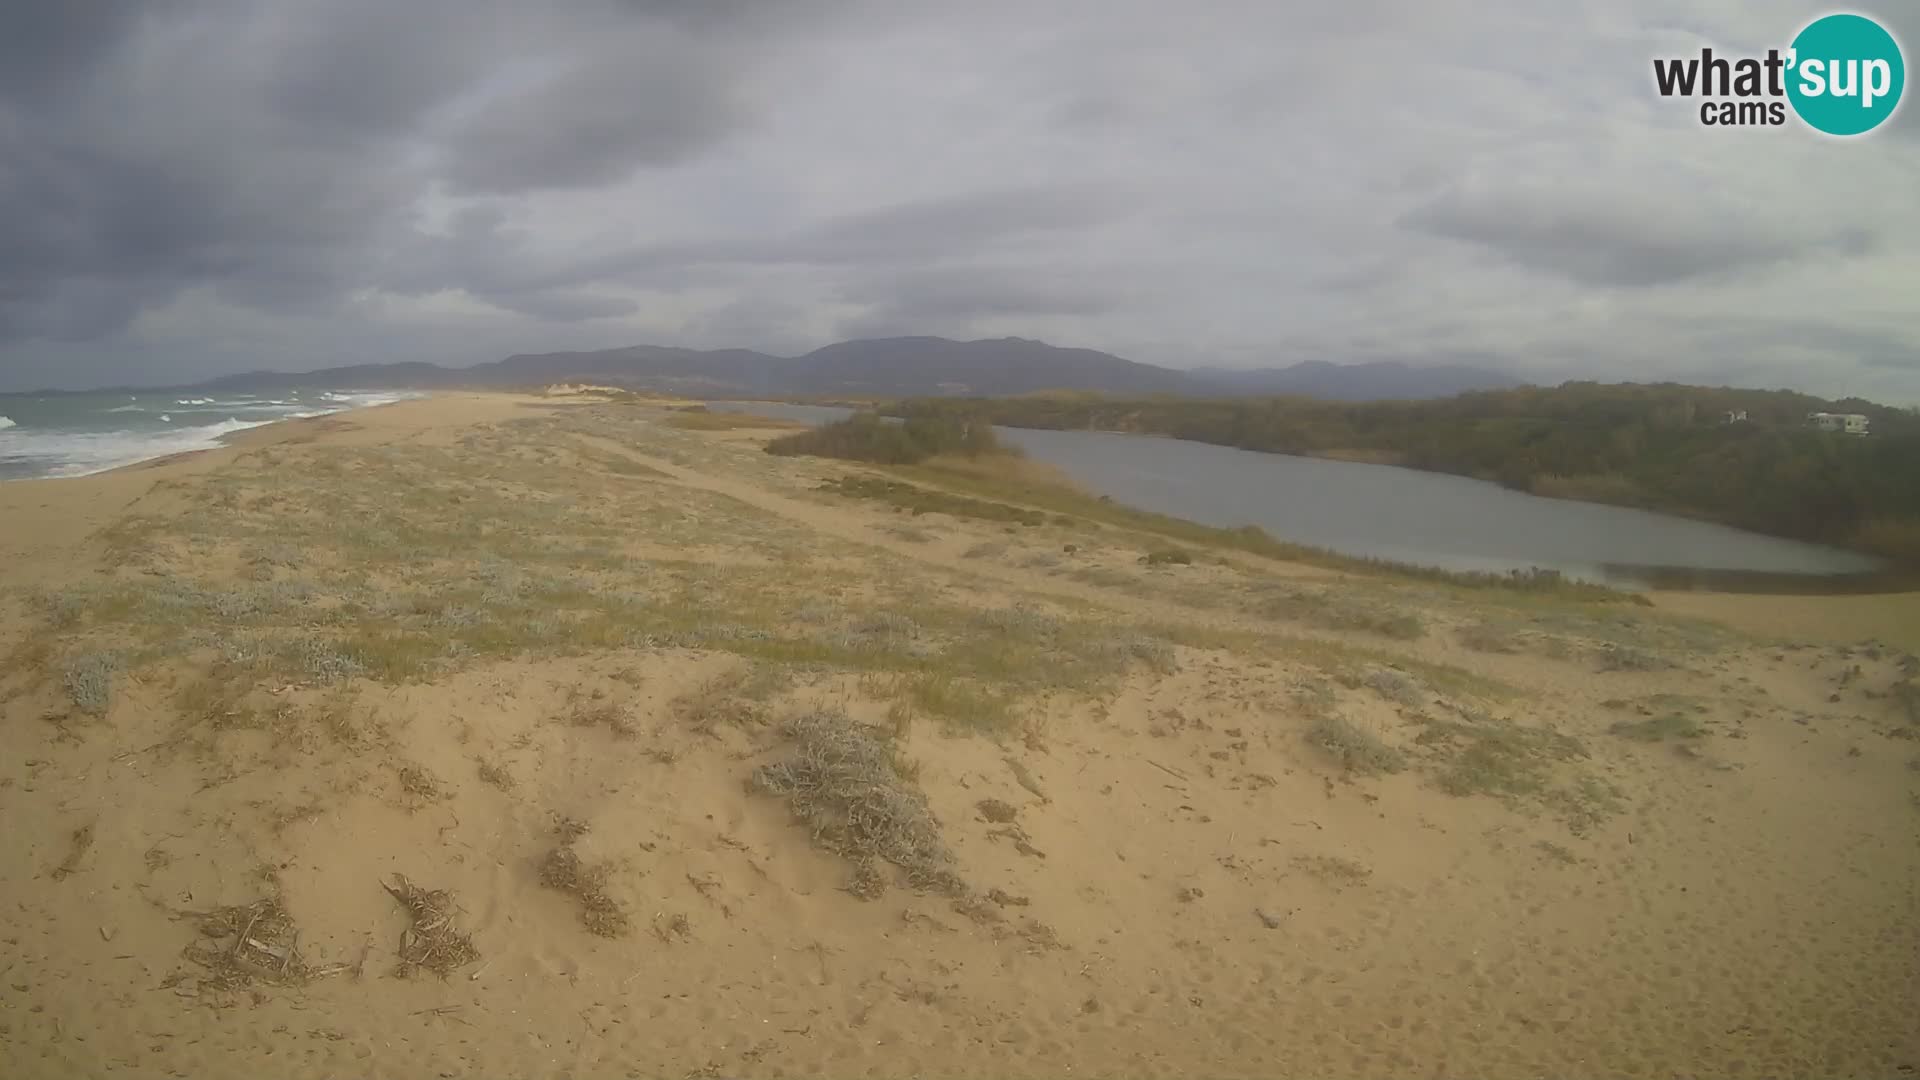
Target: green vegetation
x=867 y=437
x=1559 y=853
x=512 y=544
x=1659 y=728
x=1395 y=686
x=89 y=681
x=1906 y=698
x=1663 y=446
x=1490 y=637
x=1334 y=609
x=1334 y=870
x=920 y=500
x=703 y=420
x=966 y=704
x=1627 y=658
x=1359 y=752
x=1479 y=755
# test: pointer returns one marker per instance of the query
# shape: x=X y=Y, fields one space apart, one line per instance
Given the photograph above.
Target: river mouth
x=1426 y=519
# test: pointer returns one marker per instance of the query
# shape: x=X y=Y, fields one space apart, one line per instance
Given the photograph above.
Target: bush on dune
x=866 y=437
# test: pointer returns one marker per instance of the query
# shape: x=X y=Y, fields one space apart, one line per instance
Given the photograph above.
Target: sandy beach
x=494 y=735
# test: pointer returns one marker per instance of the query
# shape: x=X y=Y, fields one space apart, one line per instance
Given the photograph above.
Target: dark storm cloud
x=276 y=152
x=595 y=125
x=48 y=45
x=168 y=167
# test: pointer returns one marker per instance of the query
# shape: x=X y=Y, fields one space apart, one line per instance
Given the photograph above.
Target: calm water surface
x=1406 y=515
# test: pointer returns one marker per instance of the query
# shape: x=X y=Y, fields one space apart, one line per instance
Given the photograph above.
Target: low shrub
x=864 y=436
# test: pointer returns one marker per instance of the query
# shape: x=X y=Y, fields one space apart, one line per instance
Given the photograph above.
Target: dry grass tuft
x=569 y=829
x=997 y=811
x=1627 y=658
x=1489 y=637
x=564 y=871
x=89 y=681
x=610 y=715
x=431 y=943
x=845 y=783
x=492 y=772
x=734 y=698
x=1659 y=728
x=1359 y=752
x=1396 y=686
x=78 y=844
x=1335 y=870
x=1906 y=699
x=251 y=943
x=416 y=780
x=1167 y=556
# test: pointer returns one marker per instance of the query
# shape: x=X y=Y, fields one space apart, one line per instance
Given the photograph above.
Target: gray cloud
x=1620 y=236
x=951 y=297
x=917 y=230
x=654 y=106
x=191 y=185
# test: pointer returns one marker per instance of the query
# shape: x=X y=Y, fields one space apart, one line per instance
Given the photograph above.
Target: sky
x=196 y=187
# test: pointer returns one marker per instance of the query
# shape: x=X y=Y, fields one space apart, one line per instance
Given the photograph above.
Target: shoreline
x=65 y=511
x=1347 y=455
x=1887 y=578
x=220 y=441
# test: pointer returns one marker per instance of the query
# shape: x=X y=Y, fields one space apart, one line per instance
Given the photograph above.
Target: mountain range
x=900 y=367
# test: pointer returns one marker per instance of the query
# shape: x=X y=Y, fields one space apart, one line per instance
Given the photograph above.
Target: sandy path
x=866 y=529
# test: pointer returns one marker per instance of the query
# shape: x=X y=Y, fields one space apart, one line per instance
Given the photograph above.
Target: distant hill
x=901 y=367
x=1377 y=381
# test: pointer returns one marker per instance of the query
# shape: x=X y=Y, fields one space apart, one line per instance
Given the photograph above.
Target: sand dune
x=575 y=669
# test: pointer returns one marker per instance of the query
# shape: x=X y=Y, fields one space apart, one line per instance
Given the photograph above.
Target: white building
x=1850 y=423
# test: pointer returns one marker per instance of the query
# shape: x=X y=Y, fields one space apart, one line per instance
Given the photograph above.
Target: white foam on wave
x=194 y=401
x=76 y=453
x=127 y=408
x=366 y=399
x=54 y=453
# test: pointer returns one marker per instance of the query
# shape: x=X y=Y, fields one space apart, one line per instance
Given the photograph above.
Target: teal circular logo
x=1845 y=74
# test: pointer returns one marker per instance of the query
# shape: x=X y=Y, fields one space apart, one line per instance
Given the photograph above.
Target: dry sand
x=1227 y=819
